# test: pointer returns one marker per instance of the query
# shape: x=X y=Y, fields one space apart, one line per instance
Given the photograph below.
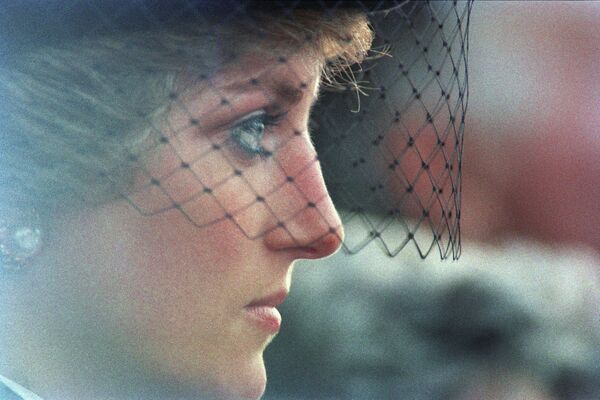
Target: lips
x=262 y=312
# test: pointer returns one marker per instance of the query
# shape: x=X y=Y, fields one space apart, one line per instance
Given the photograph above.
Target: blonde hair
x=79 y=111
x=341 y=38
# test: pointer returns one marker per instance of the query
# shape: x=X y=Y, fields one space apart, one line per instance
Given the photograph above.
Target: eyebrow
x=288 y=94
x=285 y=95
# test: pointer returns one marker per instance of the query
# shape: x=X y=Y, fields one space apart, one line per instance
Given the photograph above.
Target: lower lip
x=267 y=317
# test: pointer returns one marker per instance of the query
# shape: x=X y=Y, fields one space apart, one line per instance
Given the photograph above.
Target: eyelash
x=245 y=137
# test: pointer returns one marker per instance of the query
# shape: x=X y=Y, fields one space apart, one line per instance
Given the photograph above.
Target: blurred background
x=518 y=316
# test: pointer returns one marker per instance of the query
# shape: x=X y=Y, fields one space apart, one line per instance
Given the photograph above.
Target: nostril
x=305 y=246
x=329 y=243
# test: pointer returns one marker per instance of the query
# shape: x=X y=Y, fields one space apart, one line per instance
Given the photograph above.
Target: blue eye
x=249 y=133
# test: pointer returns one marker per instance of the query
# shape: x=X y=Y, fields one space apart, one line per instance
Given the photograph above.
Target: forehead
x=284 y=80
x=289 y=79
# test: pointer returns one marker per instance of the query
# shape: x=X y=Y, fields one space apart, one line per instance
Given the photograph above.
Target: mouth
x=263 y=312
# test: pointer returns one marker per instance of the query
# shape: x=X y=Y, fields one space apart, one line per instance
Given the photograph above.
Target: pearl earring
x=20 y=240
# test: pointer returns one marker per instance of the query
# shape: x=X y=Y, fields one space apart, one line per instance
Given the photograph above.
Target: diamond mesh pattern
x=388 y=132
x=402 y=141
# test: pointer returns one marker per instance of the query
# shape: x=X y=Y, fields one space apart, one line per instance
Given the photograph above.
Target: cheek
x=217 y=185
x=176 y=255
x=187 y=289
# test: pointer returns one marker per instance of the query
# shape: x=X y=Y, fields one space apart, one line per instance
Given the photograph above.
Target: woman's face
x=140 y=299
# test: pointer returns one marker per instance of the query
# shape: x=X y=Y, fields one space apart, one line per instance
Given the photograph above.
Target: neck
x=56 y=375
x=57 y=361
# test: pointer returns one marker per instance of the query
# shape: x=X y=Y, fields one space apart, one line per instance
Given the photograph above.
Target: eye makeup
x=248 y=133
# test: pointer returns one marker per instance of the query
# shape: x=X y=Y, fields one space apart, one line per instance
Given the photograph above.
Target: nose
x=309 y=225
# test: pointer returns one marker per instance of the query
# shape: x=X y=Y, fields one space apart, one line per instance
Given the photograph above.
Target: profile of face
x=156 y=306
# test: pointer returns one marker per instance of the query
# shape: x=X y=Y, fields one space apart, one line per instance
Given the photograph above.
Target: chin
x=247 y=383
x=255 y=382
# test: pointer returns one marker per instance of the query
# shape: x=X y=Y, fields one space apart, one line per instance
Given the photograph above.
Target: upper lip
x=272 y=300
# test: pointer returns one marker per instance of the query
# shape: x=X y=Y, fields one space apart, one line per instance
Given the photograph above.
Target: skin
x=120 y=305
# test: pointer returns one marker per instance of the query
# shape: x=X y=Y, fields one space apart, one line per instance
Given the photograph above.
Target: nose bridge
x=312 y=223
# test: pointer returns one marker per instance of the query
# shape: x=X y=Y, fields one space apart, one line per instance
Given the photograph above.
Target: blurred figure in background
x=502 y=324
x=533 y=131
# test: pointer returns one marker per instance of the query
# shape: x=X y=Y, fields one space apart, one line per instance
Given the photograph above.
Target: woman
x=158 y=184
